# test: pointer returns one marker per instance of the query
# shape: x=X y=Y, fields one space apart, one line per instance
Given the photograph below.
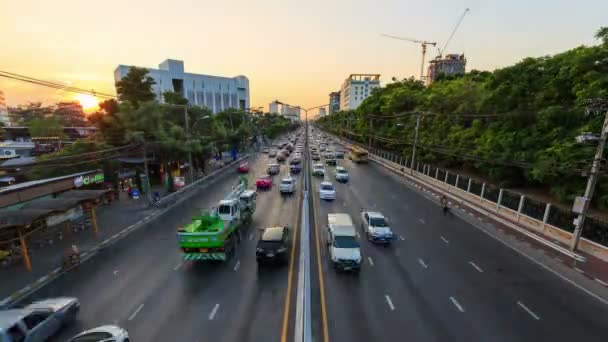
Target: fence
x=550 y=221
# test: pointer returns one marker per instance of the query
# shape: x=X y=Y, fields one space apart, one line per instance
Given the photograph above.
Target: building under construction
x=449 y=65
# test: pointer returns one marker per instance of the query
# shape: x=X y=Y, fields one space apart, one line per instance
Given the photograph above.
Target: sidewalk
x=111 y=220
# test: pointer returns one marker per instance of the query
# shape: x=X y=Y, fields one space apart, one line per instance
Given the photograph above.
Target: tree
x=602 y=34
x=33 y=110
x=46 y=127
x=70 y=114
x=136 y=86
x=174 y=98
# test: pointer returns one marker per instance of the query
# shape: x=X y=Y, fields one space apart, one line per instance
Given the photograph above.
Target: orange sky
x=294 y=51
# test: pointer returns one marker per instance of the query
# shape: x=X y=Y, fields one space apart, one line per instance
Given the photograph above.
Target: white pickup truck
x=344 y=249
x=376 y=228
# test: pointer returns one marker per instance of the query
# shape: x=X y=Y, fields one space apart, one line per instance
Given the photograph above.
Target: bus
x=358 y=155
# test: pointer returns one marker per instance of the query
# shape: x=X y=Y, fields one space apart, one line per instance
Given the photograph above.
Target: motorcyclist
x=444 y=204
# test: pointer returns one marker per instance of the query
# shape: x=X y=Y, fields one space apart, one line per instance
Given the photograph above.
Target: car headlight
x=282 y=250
x=259 y=249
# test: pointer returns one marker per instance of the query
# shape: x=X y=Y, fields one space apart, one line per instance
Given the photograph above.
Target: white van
x=344 y=249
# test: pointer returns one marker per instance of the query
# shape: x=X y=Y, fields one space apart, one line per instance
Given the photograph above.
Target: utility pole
x=188 y=134
x=414 y=145
x=591 y=182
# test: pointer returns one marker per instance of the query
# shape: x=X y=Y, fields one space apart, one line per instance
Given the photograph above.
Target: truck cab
x=344 y=249
x=229 y=210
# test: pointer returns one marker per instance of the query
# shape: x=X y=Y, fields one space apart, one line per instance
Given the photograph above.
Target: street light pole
x=189 y=134
x=414 y=145
x=592 y=181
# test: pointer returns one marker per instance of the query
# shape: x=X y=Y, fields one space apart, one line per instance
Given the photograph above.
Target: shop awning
x=22 y=217
x=83 y=194
x=53 y=204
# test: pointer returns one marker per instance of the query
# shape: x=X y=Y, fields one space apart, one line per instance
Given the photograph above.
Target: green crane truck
x=214 y=234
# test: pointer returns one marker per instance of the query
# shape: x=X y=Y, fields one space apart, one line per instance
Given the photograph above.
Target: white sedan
x=318 y=170
x=103 y=333
x=327 y=191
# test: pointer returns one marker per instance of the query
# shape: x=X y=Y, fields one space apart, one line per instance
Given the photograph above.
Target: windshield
x=327 y=187
x=286 y=182
x=377 y=222
x=345 y=242
x=224 y=209
x=341 y=171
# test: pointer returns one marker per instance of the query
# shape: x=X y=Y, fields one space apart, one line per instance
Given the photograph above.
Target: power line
x=54 y=85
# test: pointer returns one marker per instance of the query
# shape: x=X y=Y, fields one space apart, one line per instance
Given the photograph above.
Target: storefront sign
x=87 y=180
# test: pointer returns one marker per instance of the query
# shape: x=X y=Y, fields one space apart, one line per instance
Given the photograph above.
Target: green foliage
x=33 y=110
x=136 y=87
x=174 y=98
x=529 y=115
x=46 y=127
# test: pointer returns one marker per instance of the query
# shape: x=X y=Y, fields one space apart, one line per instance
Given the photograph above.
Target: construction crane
x=423 y=43
x=441 y=51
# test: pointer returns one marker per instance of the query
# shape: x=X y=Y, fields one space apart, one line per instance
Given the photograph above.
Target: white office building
x=356 y=88
x=290 y=112
x=214 y=92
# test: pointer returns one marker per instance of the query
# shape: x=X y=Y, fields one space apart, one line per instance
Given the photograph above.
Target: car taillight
x=181 y=229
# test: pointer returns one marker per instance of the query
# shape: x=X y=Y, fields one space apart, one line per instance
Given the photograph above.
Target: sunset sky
x=295 y=51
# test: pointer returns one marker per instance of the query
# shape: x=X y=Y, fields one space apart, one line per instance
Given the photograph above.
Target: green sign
x=88 y=180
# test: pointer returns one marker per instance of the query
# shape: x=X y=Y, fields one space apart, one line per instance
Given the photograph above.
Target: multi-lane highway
x=441 y=280
x=141 y=283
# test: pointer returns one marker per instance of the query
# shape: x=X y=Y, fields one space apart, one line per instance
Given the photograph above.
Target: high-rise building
x=452 y=64
x=214 y=92
x=290 y=112
x=334 y=102
x=5 y=118
x=356 y=88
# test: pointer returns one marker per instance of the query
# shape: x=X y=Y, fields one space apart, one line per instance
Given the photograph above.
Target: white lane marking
x=456 y=304
x=421 y=220
x=535 y=316
x=444 y=240
x=213 y=312
x=358 y=235
x=250 y=236
x=422 y=263
x=141 y=306
x=389 y=302
x=568 y=280
x=236 y=267
x=402 y=237
x=371 y=262
x=115 y=272
x=578 y=270
x=178 y=266
x=601 y=282
x=476 y=267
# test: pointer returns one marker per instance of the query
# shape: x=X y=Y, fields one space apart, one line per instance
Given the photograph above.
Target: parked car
x=264 y=182
x=38 y=321
x=273 y=246
x=327 y=191
x=288 y=185
x=243 y=167
x=104 y=333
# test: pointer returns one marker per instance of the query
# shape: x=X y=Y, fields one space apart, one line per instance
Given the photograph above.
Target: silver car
x=104 y=333
x=37 y=321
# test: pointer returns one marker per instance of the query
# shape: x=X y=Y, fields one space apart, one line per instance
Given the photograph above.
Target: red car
x=243 y=167
x=264 y=182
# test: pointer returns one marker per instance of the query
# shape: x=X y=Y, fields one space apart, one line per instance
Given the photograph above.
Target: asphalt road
x=141 y=283
x=441 y=280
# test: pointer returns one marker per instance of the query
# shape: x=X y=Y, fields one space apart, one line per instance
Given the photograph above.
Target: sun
x=88 y=102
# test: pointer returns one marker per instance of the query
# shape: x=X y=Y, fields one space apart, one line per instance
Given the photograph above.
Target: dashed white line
x=476 y=267
x=402 y=237
x=389 y=302
x=141 y=306
x=213 y=312
x=421 y=220
x=358 y=235
x=178 y=266
x=535 y=316
x=371 y=262
x=444 y=240
x=251 y=236
x=578 y=270
x=456 y=304
x=238 y=264
x=422 y=263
